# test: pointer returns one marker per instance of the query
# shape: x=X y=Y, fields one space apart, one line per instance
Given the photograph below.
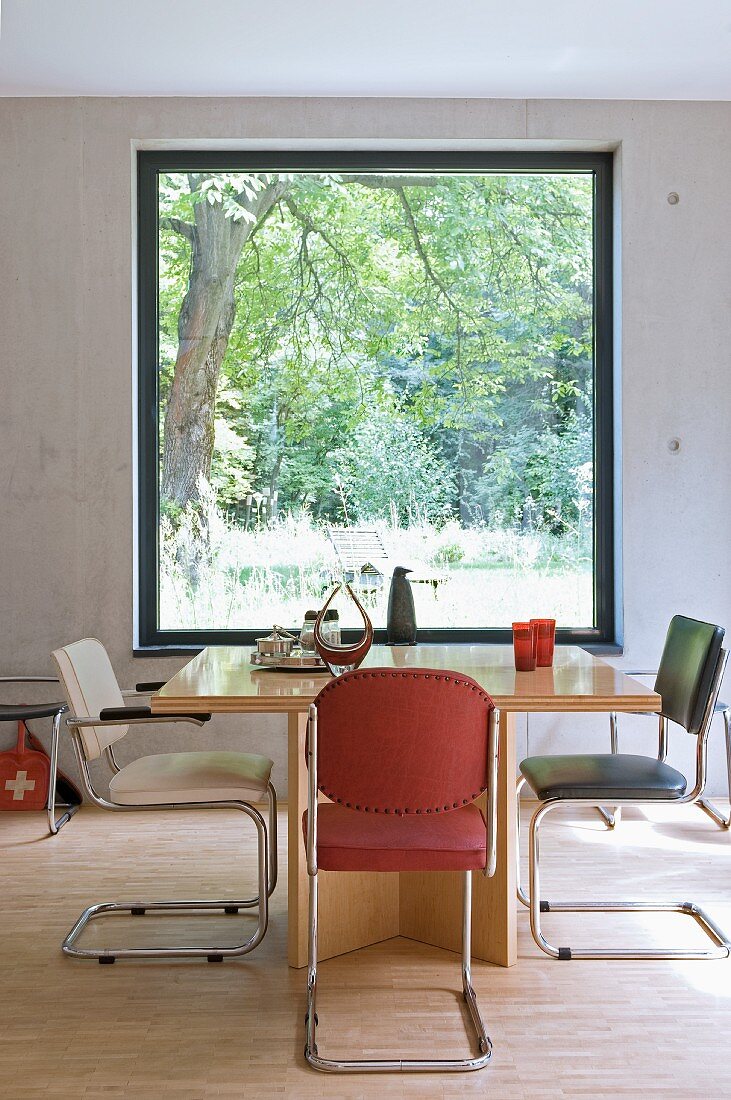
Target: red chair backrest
x=402 y=742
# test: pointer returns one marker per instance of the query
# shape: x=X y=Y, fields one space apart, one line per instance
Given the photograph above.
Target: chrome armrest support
x=493 y=754
x=662 y=738
x=78 y=723
x=112 y=759
x=29 y=679
x=662 y=733
x=312 y=790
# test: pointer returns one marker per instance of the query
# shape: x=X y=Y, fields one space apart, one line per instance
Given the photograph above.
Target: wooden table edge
x=162 y=704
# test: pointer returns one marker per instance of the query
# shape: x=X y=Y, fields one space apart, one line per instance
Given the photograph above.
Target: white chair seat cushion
x=192 y=777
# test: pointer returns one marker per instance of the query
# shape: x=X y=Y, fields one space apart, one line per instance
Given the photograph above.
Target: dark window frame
x=151 y=639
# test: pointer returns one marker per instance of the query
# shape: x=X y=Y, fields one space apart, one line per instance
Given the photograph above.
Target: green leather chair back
x=686 y=672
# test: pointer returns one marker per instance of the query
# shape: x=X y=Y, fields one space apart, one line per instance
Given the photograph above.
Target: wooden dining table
x=360 y=908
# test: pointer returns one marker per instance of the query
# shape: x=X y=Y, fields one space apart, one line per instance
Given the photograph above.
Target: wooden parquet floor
x=193 y=1031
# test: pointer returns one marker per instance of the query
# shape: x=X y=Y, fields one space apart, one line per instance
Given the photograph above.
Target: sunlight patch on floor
x=669 y=828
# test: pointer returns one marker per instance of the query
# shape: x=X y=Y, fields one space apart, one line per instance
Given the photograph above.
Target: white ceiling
x=595 y=49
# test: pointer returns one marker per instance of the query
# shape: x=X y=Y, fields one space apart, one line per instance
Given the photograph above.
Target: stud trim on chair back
x=88 y=680
x=687 y=667
x=402 y=742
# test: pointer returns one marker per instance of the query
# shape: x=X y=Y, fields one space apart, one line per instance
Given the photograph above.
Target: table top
x=221 y=679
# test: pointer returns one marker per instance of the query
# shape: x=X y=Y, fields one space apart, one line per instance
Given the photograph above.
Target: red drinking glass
x=525 y=637
x=546 y=639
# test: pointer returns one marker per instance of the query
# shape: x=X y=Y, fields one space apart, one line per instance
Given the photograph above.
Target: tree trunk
x=204 y=327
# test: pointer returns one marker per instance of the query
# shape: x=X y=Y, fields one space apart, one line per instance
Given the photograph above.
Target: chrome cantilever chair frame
x=389 y=1065
x=722 y=820
x=267 y=863
x=537 y=906
x=69 y=809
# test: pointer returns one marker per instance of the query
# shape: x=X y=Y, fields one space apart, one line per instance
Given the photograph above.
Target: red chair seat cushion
x=352 y=840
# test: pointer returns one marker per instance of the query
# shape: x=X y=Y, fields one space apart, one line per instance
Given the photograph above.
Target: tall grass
x=216 y=575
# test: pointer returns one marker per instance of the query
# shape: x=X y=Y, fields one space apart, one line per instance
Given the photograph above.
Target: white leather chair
x=212 y=779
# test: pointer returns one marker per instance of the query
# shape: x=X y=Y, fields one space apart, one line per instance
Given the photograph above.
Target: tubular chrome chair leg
x=213 y=954
x=721 y=950
x=401 y=1065
x=251 y=903
x=707 y=806
x=522 y=896
x=272 y=833
x=54 y=823
x=612 y=818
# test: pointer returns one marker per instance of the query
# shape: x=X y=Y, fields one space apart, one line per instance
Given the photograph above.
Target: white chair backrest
x=88 y=679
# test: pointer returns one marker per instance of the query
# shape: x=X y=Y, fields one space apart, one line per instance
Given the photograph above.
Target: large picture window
x=352 y=361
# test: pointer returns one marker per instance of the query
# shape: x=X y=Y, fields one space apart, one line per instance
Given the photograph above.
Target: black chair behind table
x=688 y=680
x=723 y=820
x=14 y=713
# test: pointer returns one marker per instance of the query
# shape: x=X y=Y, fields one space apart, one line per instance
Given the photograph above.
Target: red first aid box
x=24 y=776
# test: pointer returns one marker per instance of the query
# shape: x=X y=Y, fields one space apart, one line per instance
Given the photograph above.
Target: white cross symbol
x=20 y=785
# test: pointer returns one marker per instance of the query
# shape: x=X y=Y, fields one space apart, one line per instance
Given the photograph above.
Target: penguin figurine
x=401 y=620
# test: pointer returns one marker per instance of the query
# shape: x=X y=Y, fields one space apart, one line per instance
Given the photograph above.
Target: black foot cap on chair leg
x=231 y=909
x=107 y=959
x=545 y=907
x=564 y=952
x=137 y=911
x=214 y=958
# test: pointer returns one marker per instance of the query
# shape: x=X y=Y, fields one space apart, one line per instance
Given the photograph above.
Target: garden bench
x=365 y=562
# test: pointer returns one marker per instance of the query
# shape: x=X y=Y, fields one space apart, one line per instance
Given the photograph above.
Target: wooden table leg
x=355 y=908
x=431 y=903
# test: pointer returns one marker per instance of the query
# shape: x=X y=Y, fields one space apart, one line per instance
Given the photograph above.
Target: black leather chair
x=723 y=820
x=688 y=680
x=19 y=713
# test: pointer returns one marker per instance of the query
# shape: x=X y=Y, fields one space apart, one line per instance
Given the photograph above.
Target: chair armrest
x=135 y=716
x=124 y=714
x=147 y=688
x=719 y=708
x=16 y=712
x=19 y=712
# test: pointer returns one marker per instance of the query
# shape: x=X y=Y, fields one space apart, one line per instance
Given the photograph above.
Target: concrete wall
x=66 y=233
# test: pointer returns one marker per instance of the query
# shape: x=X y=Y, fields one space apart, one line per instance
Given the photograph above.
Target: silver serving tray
x=309 y=662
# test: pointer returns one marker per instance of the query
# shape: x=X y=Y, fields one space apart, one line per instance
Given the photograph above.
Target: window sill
x=155 y=652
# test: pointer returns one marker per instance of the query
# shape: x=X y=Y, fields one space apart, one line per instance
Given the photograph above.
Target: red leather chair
x=402 y=755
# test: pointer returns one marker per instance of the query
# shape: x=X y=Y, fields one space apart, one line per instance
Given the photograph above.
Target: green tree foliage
x=388 y=468
x=428 y=339
x=541 y=478
x=232 y=467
